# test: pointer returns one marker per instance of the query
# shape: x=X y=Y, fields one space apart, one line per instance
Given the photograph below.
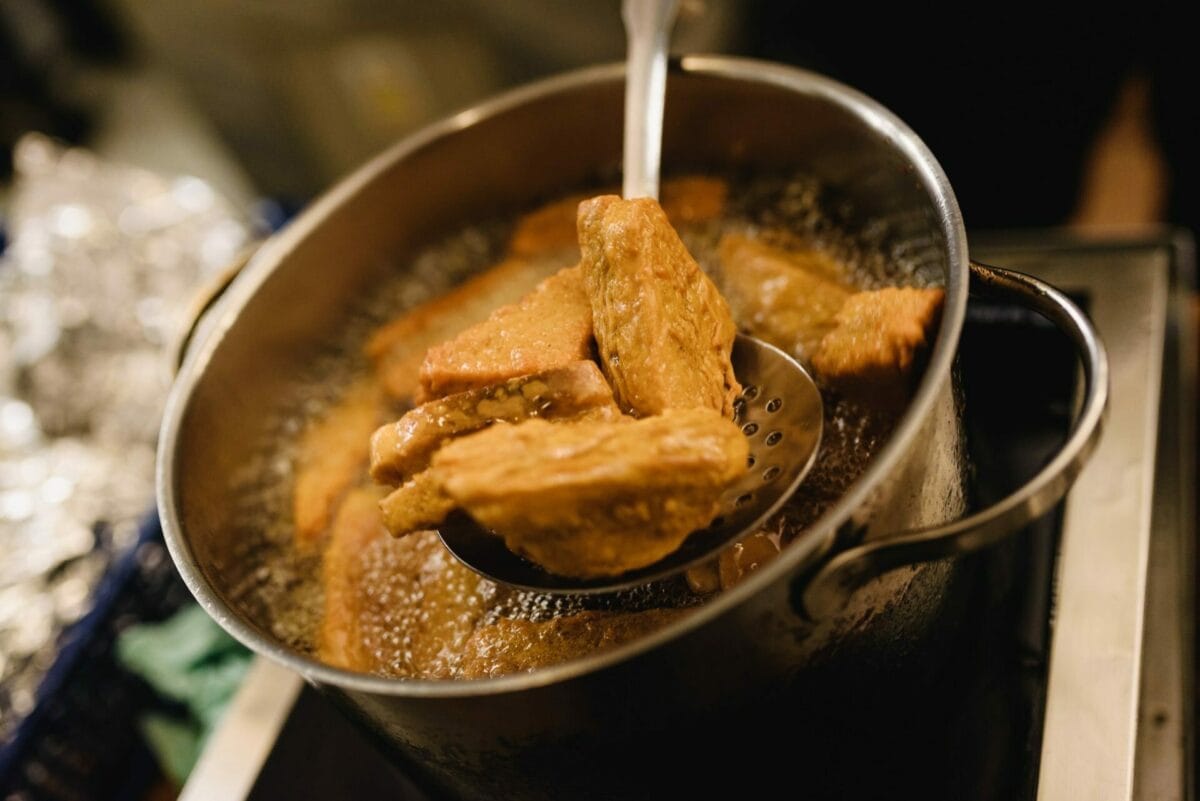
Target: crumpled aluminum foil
x=103 y=263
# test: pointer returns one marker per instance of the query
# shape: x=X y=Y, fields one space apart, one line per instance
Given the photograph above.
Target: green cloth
x=187 y=658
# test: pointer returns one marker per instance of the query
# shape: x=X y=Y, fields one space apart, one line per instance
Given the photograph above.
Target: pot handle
x=828 y=590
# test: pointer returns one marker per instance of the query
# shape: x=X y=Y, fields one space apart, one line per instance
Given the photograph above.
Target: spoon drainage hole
x=750 y=392
x=773 y=438
x=750 y=460
x=750 y=429
x=742 y=500
x=774 y=404
x=771 y=473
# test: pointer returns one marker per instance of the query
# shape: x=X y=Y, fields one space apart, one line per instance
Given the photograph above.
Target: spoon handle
x=647 y=28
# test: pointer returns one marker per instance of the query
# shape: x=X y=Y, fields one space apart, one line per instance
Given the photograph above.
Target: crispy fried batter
x=547 y=329
x=331 y=457
x=398 y=348
x=870 y=353
x=403 y=448
x=587 y=498
x=788 y=298
x=663 y=331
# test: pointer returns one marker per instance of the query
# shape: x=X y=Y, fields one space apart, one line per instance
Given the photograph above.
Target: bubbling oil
x=419 y=609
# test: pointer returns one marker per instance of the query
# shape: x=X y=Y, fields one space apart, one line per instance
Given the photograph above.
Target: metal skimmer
x=780 y=412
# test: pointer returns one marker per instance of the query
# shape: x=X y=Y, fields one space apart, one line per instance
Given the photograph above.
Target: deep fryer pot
x=847 y=608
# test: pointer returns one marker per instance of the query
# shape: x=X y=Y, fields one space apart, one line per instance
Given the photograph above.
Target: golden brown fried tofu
x=403 y=448
x=356 y=526
x=547 y=329
x=693 y=199
x=544 y=241
x=787 y=298
x=870 y=353
x=332 y=457
x=398 y=348
x=663 y=332
x=417 y=504
x=589 y=498
x=546 y=229
x=687 y=199
x=393 y=607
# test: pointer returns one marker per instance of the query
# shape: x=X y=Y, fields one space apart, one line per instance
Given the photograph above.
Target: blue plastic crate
x=81 y=741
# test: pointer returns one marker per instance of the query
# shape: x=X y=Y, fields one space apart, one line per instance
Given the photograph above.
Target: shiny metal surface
x=1092 y=705
x=99 y=261
x=1096 y=656
x=1164 y=757
x=780 y=412
x=835 y=582
x=235 y=753
x=208 y=295
x=648 y=26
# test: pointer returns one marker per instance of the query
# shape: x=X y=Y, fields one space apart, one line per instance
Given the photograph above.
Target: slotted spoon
x=779 y=411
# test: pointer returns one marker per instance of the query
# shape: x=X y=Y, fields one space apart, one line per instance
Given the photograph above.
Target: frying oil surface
x=405 y=607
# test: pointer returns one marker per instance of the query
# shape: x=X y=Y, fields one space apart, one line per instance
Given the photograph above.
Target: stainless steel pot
x=864 y=580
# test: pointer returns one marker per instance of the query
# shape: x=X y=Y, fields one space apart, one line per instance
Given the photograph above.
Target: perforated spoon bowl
x=780 y=409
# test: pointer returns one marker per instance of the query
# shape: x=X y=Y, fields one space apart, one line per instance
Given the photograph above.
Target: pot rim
x=795 y=557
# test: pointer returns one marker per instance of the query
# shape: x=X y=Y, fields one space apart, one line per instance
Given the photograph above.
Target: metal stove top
x=1119 y=717
x=1077 y=684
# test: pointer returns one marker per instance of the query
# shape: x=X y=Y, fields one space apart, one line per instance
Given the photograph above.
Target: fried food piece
x=693 y=198
x=355 y=527
x=788 y=298
x=663 y=331
x=393 y=607
x=870 y=353
x=547 y=228
x=687 y=199
x=511 y=646
x=589 y=498
x=331 y=458
x=403 y=448
x=544 y=242
x=398 y=348
x=419 y=503
x=549 y=328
